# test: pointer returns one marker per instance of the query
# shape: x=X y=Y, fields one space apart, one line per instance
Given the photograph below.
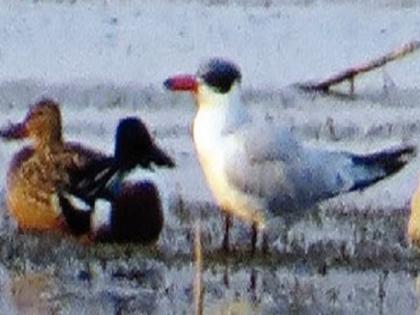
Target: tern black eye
x=220 y=74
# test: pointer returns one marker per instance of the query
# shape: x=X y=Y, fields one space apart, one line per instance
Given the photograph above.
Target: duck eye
x=41 y=113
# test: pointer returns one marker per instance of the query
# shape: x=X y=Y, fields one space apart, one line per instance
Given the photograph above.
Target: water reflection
x=33 y=294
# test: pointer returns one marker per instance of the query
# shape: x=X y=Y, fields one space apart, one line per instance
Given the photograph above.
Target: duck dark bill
x=14 y=132
x=184 y=82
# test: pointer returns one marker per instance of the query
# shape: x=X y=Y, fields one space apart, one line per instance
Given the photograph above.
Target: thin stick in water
x=198 y=283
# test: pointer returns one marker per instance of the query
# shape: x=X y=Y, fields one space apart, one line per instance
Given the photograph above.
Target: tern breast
x=214 y=148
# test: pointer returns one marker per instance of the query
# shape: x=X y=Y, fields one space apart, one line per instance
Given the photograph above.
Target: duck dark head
x=220 y=74
x=135 y=146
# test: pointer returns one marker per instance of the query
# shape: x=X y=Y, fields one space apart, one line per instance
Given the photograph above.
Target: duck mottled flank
x=413 y=230
x=37 y=171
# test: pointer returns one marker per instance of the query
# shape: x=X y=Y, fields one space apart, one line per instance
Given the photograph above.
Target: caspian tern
x=256 y=170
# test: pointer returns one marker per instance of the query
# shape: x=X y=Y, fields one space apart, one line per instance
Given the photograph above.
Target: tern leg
x=265 y=247
x=253 y=286
x=228 y=223
x=254 y=238
x=226 y=277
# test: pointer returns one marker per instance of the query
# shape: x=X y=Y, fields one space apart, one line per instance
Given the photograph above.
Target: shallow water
x=369 y=269
x=350 y=257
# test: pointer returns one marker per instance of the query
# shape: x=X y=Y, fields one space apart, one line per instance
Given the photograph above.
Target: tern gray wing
x=262 y=165
x=287 y=176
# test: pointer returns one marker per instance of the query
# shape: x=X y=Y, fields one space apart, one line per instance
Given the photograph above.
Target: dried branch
x=350 y=73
